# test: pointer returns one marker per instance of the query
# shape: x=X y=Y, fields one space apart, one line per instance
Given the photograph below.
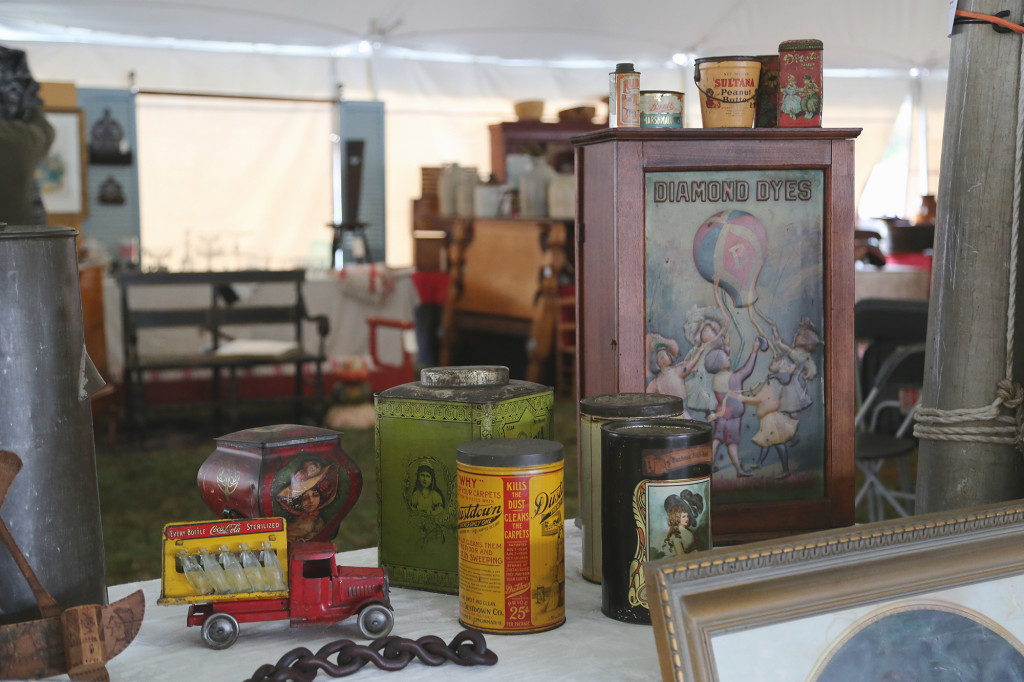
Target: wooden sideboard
x=552 y=140
x=504 y=279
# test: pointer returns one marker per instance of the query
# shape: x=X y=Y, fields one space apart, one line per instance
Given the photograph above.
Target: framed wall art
x=61 y=175
x=932 y=597
x=717 y=265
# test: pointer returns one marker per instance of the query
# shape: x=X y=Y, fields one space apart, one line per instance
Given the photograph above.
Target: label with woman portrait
x=673 y=518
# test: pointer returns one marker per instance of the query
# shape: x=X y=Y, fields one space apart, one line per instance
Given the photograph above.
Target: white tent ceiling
x=448 y=68
x=889 y=34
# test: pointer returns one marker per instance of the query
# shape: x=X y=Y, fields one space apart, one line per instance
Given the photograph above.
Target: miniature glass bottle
x=272 y=567
x=233 y=571
x=194 y=573
x=252 y=568
x=214 y=572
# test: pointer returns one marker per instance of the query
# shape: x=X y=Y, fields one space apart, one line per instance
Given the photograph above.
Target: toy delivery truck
x=244 y=571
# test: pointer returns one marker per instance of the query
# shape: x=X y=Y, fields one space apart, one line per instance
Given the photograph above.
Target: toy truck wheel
x=376 y=621
x=220 y=631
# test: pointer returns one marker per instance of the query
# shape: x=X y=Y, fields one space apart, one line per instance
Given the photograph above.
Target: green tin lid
x=632 y=405
x=509 y=452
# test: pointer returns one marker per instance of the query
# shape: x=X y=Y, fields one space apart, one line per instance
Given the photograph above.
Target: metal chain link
x=387 y=653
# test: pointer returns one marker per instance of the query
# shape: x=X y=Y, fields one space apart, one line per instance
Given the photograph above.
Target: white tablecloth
x=346 y=304
x=589 y=646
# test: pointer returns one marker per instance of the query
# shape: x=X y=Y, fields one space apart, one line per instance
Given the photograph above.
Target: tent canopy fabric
x=447 y=69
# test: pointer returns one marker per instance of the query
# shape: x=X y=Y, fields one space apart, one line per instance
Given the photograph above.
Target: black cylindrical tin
x=656 y=487
x=596 y=411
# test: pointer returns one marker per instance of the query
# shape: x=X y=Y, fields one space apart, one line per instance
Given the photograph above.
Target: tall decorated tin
x=296 y=472
x=766 y=109
x=419 y=425
x=595 y=412
x=656 y=485
x=800 y=84
x=511 y=535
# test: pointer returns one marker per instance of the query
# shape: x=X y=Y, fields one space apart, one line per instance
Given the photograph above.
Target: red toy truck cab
x=319 y=592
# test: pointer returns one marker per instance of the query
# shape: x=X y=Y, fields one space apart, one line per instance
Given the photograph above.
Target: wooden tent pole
x=967 y=327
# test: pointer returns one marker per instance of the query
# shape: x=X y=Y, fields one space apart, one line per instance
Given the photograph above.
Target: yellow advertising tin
x=511 y=535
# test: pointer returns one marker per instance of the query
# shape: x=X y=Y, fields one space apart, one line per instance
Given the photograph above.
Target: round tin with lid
x=511 y=535
x=594 y=413
x=656 y=487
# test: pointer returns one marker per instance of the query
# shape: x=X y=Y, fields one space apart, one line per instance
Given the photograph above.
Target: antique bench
x=218 y=334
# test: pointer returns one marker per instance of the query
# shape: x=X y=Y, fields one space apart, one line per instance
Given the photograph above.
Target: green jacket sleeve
x=23 y=145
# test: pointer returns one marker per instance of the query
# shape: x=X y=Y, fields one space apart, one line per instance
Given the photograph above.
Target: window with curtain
x=234 y=183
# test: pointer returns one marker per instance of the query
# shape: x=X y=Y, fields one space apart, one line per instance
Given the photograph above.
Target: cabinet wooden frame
x=611 y=170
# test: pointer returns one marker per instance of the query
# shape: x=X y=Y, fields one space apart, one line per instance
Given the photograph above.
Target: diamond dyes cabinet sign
x=734 y=248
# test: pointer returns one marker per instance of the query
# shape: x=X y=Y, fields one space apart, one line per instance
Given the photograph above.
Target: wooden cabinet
x=721 y=261
x=552 y=140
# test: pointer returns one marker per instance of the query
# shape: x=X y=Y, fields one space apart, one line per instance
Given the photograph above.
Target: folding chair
x=895 y=331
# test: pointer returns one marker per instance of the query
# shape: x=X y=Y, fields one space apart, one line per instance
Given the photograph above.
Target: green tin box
x=419 y=424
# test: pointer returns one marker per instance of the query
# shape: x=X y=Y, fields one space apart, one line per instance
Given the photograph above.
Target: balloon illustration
x=732 y=245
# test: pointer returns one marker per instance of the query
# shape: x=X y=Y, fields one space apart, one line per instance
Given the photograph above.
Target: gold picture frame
x=62 y=175
x=795 y=607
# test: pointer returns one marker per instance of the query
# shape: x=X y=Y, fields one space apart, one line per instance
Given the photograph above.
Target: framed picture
x=931 y=597
x=62 y=175
x=732 y=256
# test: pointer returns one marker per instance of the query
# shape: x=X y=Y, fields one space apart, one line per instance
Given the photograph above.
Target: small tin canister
x=419 y=424
x=800 y=84
x=595 y=412
x=656 y=485
x=294 y=471
x=766 y=110
x=624 y=97
x=661 y=109
x=511 y=535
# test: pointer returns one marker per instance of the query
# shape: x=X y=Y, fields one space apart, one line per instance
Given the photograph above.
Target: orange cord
x=991 y=19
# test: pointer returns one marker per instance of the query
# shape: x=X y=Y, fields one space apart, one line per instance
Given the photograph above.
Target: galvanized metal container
x=419 y=425
x=52 y=507
x=595 y=412
x=656 y=485
x=511 y=535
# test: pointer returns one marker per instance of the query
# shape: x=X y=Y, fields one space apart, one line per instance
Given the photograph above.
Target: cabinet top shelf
x=652 y=134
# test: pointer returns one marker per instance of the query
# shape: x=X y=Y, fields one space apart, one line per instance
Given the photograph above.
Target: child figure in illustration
x=795 y=396
x=426 y=497
x=669 y=378
x=777 y=427
x=791 y=101
x=810 y=101
x=728 y=387
x=683 y=510
x=709 y=99
x=705 y=329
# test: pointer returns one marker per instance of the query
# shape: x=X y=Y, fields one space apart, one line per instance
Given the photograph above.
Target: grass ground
x=152 y=482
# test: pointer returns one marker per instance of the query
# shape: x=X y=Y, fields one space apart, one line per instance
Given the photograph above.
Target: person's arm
x=23 y=145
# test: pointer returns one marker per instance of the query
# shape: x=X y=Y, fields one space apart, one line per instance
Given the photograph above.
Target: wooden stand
x=616 y=171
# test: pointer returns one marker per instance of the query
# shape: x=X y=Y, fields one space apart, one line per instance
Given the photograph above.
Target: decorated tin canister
x=656 y=487
x=800 y=84
x=728 y=89
x=766 y=111
x=419 y=424
x=293 y=471
x=511 y=535
x=661 y=109
x=624 y=97
x=595 y=412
